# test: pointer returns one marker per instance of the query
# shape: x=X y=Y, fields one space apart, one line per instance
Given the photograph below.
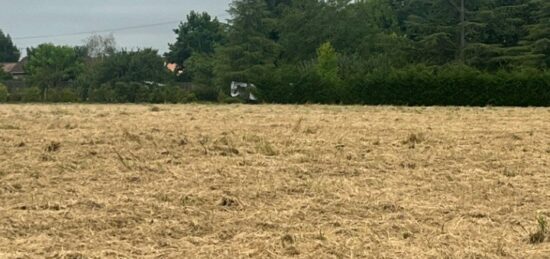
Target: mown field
x=214 y=181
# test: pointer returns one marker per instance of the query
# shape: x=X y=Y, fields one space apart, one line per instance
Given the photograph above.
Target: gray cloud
x=23 y=18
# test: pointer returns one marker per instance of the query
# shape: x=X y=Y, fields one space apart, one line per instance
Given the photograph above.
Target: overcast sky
x=29 y=18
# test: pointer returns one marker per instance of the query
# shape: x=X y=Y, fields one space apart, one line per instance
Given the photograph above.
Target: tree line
x=406 y=52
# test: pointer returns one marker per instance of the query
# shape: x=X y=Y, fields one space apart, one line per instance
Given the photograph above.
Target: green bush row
x=4 y=94
x=418 y=85
x=455 y=85
x=120 y=92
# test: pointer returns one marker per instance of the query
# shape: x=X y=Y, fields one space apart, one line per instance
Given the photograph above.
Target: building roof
x=8 y=67
x=172 y=67
x=13 y=68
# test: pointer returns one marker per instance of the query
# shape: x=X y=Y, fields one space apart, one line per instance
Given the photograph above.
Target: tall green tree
x=199 y=34
x=131 y=66
x=200 y=67
x=436 y=26
x=327 y=63
x=250 y=50
x=8 y=51
x=539 y=34
x=327 y=68
x=382 y=44
x=500 y=41
x=303 y=28
x=121 y=76
x=50 y=65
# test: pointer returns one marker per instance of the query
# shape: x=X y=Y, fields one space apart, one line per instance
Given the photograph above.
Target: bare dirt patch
x=201 y=181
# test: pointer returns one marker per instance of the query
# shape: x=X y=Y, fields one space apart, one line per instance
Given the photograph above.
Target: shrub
x=188 y=97
x=31 y=94
x=62 y=95
x=4 y=95
x=166 y=94
x=4 y=75
x=272 y=87
x=142 y=94
x=451 y=85
x=156 y=95
x=15 y=95
x=102 y=94
x=205 y=93
x=172 y=94
x=224 y=98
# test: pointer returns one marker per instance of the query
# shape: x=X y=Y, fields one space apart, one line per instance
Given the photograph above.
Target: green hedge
x=31 y=94
x=119 y=92
x=418 y=85
x=456 y=85
x=4 y=94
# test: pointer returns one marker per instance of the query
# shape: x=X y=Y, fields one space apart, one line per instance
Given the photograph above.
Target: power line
x=102 y=31
x=95 y=31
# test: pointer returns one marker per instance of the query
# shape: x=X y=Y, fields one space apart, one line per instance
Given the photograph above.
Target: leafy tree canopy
x=200 y=33
x=50 y=65
x=8 y=51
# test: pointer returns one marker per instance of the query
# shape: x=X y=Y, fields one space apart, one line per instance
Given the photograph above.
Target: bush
x=15 y=95
x=141 y=94
x=189 y=97
x=224 y=98
x=205 y=93
x=456 y=84
x=452 y=85
x=31 y=94
x=169 y=94
x=63 y=95
x=4 y=94
x=4 y=75
x=279 y=86
x=172 y=94
x=103 y=94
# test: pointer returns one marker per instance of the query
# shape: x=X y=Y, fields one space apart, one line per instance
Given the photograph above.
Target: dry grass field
x=208 y=181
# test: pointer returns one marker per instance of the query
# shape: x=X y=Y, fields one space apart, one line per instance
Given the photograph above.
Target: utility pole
x=23 y=53
x=462 y=30
x=462 y=12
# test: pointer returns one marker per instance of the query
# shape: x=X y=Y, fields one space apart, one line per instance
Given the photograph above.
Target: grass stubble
x=207 y=181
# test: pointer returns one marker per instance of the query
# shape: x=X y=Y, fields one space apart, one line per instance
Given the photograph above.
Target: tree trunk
x=462 y=30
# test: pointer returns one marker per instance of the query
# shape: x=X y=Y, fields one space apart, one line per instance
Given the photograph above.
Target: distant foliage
x=51 y=66
x=415 y=85
x=4 y=75
x=31 y=94
x=198 y=35
x=250 y=51
x=395 y=52
x=128 y=66
x=8 y=50
x=62 y=95
x=327 y=63
x=452 y=85
x=4 y=94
